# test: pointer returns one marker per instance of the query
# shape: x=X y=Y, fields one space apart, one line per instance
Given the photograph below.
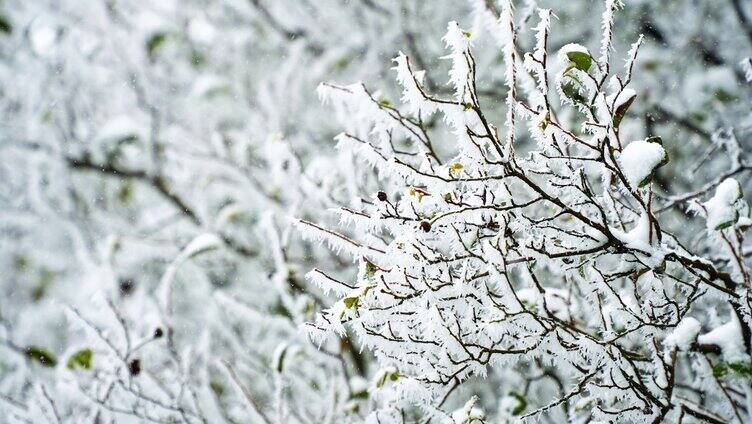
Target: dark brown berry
x=381 y=196
x=158 y=333
x=126 y=286
x=134 y=367
x=425 y=226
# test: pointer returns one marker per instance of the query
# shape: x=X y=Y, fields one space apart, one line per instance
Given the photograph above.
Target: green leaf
x=621 y=110
x=742 y=368
x=724 y=96
x=127 y=140
x=380 y=382
x=571 y=87
x=581 y=271
x=352 y=407
x=650 y=65
x=80 y=359
x=341 y=63
x=197 y=59
x=387 y=375
x=368 y=288
x=726 y=224
x=154 y=43
x=370 y=267
x=279 y=308
x=721 y=370
x=529 y=306
x=48 y=115
x=363 y=394
x=543 y=123
x=281 y=360
x=5 y=25
x=20 y=262
x=45 y=277
x=308 y=307
x=661 y=267
x=125 y=192
x=41 y=355
x=522 y=403
x=618 y=328
x=217 y=387
x=581 y=60
x=645 y=181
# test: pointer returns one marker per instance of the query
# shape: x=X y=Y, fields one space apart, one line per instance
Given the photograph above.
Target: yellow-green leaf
x=80 y=359
x=350 y=301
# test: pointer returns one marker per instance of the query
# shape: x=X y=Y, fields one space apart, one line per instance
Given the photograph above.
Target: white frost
x=747 y=67
x=208 y=85
x=721 y=208
x=639 y=236
x=358 y=384
x=42 y=39
x=508 y=405
x=200 y=244
x=573 y=48
x=624 y=96
x=684 y=334
x=729 y=338
x=469 y=414
x=639 y=159
x=119 y=128
x=201 y=31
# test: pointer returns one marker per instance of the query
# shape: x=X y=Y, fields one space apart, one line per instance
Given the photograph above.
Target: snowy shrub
x=152 y=152
x=541 y=262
